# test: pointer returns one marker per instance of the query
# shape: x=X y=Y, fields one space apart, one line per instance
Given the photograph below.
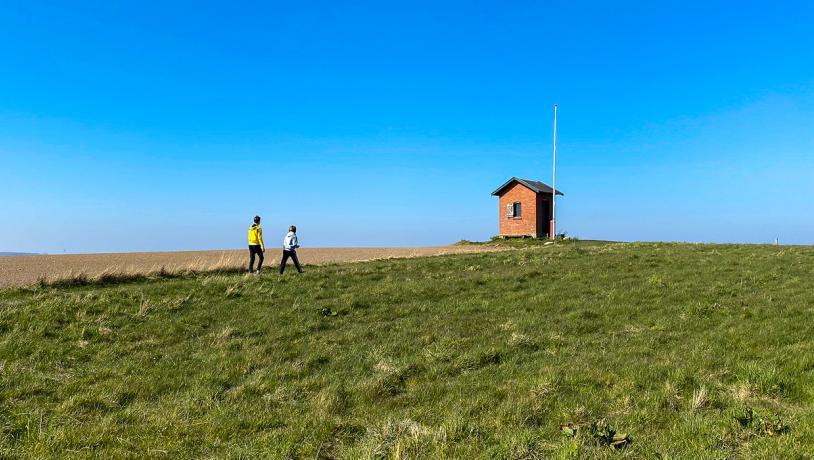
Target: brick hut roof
x=534 y=185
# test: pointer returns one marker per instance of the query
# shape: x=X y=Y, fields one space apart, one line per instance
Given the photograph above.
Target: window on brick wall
x=513 y=210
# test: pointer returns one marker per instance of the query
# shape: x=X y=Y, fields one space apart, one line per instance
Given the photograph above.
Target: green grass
x=694 y=351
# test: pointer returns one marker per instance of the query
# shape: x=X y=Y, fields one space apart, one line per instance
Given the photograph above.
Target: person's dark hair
x=292 y=228
x=256 y=219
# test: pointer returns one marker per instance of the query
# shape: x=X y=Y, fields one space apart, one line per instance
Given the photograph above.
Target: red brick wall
x=526 y=224
x=534 y=221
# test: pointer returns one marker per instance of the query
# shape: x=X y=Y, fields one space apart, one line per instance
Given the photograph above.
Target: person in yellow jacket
x=256 y=246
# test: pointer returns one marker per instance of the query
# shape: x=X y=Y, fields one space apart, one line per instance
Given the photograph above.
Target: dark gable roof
x=534 y=185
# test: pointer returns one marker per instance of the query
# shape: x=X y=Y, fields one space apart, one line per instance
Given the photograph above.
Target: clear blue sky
x=130 y=126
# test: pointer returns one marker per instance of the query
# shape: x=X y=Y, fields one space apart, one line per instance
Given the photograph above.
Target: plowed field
x=22 y=270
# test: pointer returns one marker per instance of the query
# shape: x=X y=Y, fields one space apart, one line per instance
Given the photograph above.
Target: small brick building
x=525 y=208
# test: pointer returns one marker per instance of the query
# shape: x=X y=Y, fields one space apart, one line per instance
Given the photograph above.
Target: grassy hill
x=692 y=351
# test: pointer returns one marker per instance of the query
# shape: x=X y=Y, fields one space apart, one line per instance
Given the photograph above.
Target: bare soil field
x=24 y=270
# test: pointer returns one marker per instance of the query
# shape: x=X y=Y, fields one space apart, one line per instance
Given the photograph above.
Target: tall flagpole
x=554 y=182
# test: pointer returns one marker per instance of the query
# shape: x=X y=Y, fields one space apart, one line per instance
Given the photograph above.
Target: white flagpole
x=554 y=182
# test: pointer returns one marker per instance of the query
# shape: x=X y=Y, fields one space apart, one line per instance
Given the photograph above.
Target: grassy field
x=559 y=351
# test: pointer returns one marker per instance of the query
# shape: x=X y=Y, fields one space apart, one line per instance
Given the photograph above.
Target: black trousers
x=293 y=255
x=255 y=250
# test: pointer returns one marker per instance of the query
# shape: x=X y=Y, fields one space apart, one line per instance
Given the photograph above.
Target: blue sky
x=129 y=126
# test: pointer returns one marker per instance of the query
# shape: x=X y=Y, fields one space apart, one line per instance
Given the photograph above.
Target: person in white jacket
x=290 y=245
